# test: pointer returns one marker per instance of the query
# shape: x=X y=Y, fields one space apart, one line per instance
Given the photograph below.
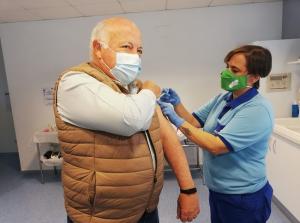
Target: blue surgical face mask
x=127 y=68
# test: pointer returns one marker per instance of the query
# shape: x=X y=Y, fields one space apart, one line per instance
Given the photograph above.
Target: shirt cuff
x=198 y=119
x=227 y=144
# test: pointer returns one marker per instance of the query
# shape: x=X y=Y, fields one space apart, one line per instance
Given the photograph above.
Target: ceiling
x=30 y=10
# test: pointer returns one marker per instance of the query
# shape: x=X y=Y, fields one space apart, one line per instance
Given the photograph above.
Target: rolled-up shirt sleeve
x=85 y=102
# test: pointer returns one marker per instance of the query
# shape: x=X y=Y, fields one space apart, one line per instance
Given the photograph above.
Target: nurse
x=233 y=129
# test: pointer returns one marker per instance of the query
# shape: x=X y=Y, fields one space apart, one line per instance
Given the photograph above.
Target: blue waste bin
x=295 y=110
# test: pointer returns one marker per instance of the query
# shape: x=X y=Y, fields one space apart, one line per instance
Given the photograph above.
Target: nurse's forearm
x=205 y=140
x=186 y=115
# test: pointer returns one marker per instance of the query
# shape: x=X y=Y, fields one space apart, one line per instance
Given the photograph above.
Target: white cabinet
x=283 y=171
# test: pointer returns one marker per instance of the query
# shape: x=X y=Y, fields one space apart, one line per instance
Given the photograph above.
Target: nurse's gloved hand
x=168 y=110
x=170 y=96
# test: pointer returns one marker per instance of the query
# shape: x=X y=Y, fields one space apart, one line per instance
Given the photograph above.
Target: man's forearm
x=178 y=162
x=175 y=154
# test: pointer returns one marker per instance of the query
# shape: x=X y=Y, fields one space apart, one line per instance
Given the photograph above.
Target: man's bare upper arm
x=166 y=130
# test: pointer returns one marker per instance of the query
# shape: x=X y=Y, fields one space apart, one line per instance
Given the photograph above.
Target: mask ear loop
x=248 y=86
x=105 y=46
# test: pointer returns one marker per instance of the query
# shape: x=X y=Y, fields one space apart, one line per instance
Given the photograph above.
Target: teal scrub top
x=245 y=125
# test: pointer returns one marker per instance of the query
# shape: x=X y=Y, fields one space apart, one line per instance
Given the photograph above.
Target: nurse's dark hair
x=259 y=60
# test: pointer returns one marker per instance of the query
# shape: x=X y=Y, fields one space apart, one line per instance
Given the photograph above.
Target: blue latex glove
x=170 y=96
x=168 y=110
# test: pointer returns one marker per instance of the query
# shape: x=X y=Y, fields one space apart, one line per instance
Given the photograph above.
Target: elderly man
x=113 y=142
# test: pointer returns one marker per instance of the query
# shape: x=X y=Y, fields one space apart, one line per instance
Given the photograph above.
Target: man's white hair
x=101 y=34
x=102 y=31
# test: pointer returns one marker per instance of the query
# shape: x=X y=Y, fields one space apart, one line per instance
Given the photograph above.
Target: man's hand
x=170 y=96
x=188 y=207
x=150 y=85
x=168 y=110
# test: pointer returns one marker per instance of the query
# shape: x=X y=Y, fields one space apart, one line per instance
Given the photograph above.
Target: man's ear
x=96 y=45
x=97 y=49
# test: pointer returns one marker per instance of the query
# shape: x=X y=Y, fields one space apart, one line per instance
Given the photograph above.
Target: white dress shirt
x=88 y=103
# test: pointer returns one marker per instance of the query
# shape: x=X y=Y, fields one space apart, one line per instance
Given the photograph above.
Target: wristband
x=189 y=191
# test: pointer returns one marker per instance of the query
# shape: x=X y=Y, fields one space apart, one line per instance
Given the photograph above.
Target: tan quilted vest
x=108 y=178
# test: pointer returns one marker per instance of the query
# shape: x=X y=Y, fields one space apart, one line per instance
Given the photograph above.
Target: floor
x=24 y=199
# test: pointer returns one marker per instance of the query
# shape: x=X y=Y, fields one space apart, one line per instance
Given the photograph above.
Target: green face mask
x=232 y=82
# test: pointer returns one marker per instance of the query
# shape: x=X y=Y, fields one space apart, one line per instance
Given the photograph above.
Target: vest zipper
x=152 y=150
x=154 y=163
x=94 y=182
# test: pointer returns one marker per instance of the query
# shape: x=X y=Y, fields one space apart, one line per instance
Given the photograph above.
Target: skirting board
x=285 y=211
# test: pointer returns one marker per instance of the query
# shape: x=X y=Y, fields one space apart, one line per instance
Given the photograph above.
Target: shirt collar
x=233 y=103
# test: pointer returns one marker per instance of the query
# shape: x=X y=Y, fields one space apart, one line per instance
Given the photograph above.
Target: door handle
x=7 y=101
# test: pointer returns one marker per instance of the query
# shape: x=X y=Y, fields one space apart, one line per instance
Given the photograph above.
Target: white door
x=7 y=132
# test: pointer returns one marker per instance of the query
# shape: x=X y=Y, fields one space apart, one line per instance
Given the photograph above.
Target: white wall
x=183 y=49
x=283 y=51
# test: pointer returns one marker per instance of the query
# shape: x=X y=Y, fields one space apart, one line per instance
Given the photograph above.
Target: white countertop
x=288 y=128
